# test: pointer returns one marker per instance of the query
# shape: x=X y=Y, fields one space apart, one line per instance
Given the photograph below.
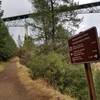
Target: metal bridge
x=26 y=19
x=16 y=21
x=89 y=8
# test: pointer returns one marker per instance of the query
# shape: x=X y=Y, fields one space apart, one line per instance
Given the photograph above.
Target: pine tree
x=7 y=44
x=1 y=11
x=49 y=20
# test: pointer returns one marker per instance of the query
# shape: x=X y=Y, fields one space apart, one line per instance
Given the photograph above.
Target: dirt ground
x=12 y=88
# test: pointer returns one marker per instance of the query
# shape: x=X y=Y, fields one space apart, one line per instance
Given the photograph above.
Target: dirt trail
x=10 y=86
x=15 y=84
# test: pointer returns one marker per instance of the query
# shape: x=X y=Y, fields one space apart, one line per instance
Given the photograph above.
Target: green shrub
x=97 y=83
x=74 y=82
x=27 y=50
x=64 y=77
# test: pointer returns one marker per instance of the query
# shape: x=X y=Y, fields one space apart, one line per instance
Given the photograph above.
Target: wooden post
x=90 y=81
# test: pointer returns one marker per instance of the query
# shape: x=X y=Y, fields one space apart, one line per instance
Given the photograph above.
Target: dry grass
x=2 y=66
x=39 y=86
x=96 y=66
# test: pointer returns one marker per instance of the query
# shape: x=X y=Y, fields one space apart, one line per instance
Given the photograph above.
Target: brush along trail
x=16 y=84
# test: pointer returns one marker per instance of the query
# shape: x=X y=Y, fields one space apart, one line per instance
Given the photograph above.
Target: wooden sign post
x=90 y=81
x=83 y=48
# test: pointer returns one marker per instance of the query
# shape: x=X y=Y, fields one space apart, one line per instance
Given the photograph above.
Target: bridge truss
x=23 y=20
x=26 y=19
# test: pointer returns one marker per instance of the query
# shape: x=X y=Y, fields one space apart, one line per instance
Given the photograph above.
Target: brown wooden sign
x=84 y=47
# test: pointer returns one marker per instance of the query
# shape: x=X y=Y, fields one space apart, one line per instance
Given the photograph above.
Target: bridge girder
x=64 y=8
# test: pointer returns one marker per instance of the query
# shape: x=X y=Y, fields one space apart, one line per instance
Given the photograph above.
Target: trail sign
x=84 y=47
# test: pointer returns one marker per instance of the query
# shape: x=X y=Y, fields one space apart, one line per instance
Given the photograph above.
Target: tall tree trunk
x=53 y=23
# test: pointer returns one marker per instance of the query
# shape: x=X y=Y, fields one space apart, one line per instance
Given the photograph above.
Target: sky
x=13 y=8
x=89 y=20
x=19 y=7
